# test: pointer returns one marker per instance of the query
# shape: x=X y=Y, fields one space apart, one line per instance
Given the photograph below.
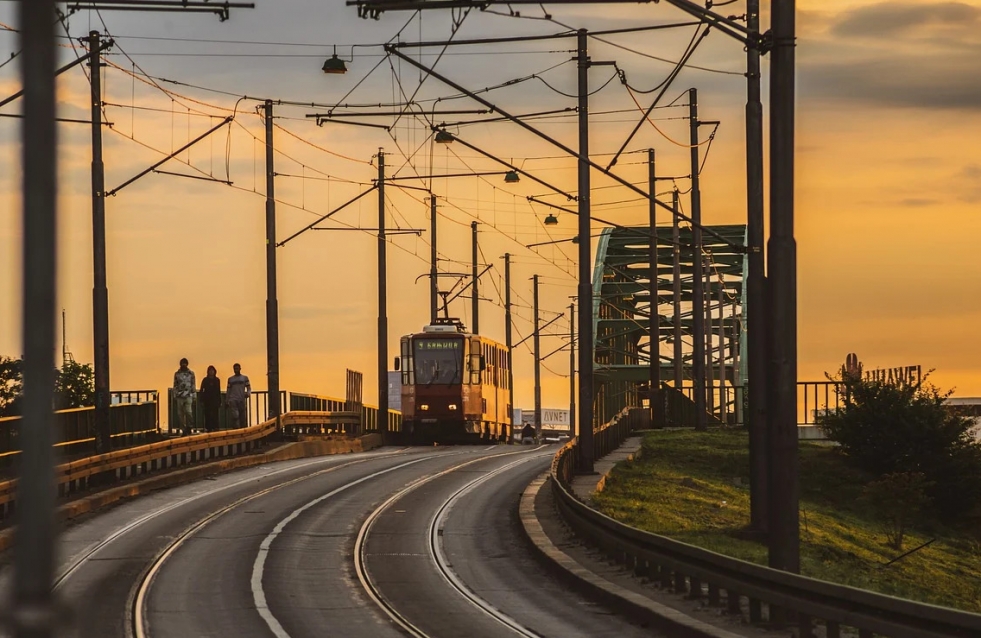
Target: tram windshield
x=438 y=361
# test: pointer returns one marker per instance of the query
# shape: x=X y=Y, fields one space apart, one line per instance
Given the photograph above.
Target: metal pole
x=657 y=411
x=536 y=340
x=782 y=326
x=754 y=313
x=382 y=305
x=709 y=346
x=698 y=300
x=679 y=361
x=32 y=608
x=476 y=294
x=722 y=354
x=572 y=369
x=508 y=342
x=272 y=304
x=433 y=273
x=586 y=449
x=100 y=292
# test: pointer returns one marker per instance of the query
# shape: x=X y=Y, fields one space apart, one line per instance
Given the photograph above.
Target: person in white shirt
x=237 y=395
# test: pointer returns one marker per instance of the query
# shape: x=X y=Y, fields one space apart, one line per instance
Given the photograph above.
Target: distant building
x=969 y=407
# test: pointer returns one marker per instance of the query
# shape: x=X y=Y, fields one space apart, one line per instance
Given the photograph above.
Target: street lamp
x=444 y=137
x=511 y=177
x=335 y=65
x=551 y=220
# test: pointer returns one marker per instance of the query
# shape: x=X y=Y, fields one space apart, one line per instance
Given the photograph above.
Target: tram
x=454 y=386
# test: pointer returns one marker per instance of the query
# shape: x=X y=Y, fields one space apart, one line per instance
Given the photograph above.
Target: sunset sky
x=888 y=182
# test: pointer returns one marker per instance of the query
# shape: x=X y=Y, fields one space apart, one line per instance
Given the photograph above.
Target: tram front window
x=438 y=361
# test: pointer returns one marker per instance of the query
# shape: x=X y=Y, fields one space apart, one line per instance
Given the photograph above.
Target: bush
x=887 y=428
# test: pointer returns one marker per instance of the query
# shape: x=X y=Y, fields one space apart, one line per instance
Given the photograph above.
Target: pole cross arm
x=327 y=216
x=103 y=46
x=554 y=142
x=170 y=157
x=221 y=9
x=553 y=320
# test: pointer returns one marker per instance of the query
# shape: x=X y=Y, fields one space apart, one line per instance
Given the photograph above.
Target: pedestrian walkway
x=585 y=485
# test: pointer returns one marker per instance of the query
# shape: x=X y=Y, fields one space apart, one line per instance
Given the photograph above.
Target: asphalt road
x=420 y=542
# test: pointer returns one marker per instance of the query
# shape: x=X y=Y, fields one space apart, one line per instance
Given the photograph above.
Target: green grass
x=694 y=487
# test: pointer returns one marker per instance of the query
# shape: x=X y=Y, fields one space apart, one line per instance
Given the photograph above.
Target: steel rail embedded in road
x=137 y=603
x=451 y=577
x=359 y=546
x=88 y=553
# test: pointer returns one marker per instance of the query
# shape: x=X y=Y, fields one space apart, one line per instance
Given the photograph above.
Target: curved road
x=421 y=542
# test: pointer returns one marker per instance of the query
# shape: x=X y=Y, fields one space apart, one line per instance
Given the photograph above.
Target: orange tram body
x=454 y=386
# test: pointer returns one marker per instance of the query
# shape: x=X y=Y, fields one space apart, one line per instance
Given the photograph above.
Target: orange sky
x=888 y=190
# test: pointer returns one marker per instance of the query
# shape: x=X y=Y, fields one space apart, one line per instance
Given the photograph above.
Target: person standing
x=184 y=391
x=211 y=399
x=237 y=395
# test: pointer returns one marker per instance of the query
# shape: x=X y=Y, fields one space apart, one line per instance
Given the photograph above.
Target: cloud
x=917 y=202
x=970 y=179
x=897 y=79
x=889 y=20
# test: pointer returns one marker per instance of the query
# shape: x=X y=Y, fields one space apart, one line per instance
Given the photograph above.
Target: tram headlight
x=424 y=407
x=452 y=406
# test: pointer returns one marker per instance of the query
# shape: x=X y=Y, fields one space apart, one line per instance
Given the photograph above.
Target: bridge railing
x=258 y=410
x=727 y=404
x=130 y=424
x=702 y=574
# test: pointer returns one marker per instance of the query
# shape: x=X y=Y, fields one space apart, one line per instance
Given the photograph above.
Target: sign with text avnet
x=552 y=419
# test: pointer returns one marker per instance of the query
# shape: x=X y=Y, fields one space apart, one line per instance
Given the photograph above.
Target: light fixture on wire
x=444 y=137
x=512 y=177
x=551 y=220
x=334 y=65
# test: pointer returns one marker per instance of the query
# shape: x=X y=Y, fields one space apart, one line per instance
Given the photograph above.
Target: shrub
x=897 y=499
x=885 y=428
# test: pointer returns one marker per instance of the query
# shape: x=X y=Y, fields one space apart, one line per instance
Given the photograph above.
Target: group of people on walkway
x=237 y=392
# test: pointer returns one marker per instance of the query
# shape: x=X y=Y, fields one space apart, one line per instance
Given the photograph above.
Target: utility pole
x=755 y=311
x=536 y=340
x=654 y=326
x=676 y=292
x=784 y=536
x=100 y=292
x=698 y=299
x=722 y=353
x=32 y=610
x=572 y=370
x=272 y=304
x=382 y=306
x=508 y=343
x=433 y=272
x=586 y=449
x=709 y=346
x=476 y=293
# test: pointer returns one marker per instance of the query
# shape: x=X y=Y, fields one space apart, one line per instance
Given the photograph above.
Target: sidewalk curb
x=288 y=452
x=631 y=604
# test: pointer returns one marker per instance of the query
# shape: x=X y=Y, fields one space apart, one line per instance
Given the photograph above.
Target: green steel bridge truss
x=622 y=307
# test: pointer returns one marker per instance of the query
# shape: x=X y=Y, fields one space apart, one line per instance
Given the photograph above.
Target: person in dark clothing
x=211 y=399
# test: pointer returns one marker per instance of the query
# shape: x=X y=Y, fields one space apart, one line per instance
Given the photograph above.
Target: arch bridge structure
x=622 y=307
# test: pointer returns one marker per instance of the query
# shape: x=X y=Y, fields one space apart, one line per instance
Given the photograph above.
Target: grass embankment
x=694 y=487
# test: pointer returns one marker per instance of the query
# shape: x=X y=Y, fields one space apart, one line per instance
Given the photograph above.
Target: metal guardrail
x=130 y=424
x=258 y=408
x=700 y=573
x=75 y=476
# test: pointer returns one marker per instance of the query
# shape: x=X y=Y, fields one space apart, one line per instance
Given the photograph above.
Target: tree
x=885 y=428
x=74 y=386
x=11 y=385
